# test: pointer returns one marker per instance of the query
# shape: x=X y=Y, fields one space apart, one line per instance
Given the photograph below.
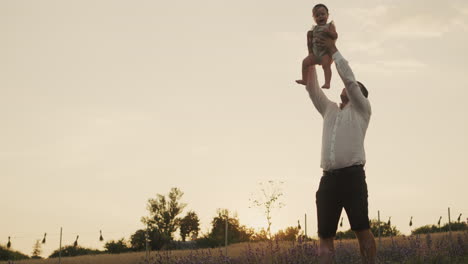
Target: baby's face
x=320 y=16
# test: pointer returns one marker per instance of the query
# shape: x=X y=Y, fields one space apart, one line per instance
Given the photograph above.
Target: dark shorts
x=344 y=188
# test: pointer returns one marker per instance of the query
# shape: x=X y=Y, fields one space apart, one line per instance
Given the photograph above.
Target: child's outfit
x=317 y=31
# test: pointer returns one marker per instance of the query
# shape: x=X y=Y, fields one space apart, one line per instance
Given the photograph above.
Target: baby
x=317 y=54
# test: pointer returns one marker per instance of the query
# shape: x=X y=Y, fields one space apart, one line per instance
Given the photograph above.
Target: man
x=343 y=184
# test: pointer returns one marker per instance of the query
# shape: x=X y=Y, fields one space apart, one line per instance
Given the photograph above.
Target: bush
x=236 y=232
x=72 y=251
x=261 y=235
x=455 y=226
x=6 y=254
x=119 y=246
x=386 y=230
x=289 y=234
x=348 y=234
x=426 y=229
x=157 y=240
x=207 y=242
x=180 y=245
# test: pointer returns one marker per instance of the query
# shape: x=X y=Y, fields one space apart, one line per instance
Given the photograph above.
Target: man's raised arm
x=352 y=87
x=347 y=76
x=320 y=100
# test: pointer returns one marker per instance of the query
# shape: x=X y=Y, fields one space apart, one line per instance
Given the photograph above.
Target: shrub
x=289 y=234
x=386 y=230
x=348 y=234
x=157 y=240
x=6 y=254
x=119 y=246
x=207 y=241
x=71 y=251
x=455 y=226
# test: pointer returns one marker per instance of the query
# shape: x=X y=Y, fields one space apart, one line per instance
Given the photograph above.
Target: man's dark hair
x=318 y=6
x=363 y=89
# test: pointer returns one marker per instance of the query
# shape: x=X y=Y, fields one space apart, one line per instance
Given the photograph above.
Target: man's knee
x=367 y=245
x=364 y=234
x=366 y=239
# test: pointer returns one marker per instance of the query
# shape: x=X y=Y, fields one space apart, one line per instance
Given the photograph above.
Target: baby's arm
x=332 y=31
x=310 y=36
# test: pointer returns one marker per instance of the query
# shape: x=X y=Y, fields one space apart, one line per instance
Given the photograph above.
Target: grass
x=433 y=248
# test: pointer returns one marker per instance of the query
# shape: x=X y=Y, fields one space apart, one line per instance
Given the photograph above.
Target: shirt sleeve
x=316 y=94
x=352 y=87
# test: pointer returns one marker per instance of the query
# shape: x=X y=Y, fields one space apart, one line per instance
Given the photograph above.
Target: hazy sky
x=104 y=104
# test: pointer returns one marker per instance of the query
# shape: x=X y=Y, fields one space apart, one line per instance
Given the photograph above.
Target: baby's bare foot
x=301 y=82
x=326 y=86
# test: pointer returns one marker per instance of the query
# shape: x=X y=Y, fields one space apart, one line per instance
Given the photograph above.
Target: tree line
x=165 y=219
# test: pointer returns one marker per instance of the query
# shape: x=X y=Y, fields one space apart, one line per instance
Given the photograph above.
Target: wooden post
x=305 y=226
x=450 y=228
x=450 y=234
x=391 y=230
x=378 y=222
x=147 y=244
x=226 y=236
x=60 y=247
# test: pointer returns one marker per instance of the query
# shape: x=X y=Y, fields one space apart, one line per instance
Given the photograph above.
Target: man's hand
x=328 y=43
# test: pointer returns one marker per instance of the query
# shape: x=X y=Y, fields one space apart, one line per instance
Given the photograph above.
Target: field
x=431 y=248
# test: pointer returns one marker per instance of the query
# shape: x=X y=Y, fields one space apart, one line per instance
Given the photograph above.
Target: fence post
x=378 y=222
x=147 y=244
x=305 y=225
x=450 y=228
x=60 y=247
x=226 y=236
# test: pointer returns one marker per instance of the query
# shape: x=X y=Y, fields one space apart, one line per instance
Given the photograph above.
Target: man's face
x=320 y=16
x=344 y=96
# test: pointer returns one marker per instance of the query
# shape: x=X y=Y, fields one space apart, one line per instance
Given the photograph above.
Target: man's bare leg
x=326 y=250
x=367 y=246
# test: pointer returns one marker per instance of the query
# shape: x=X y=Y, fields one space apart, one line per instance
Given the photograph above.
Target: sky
x=104 y=104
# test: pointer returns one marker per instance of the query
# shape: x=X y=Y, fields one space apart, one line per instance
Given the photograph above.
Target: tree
x=268 y=200
x=261 y=235
x=386 y=230
x=37 y=251
x=189 y=225
x=236 y=232
x=119 y=246
x=164 y=211
x=289 y=234
x=156 y=239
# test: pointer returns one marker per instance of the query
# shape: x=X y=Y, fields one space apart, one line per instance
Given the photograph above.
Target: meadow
x=427 y=248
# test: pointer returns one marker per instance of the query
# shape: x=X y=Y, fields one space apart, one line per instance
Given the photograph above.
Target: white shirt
x=344 y=129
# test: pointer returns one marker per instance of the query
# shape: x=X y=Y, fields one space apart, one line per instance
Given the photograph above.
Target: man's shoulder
x=358 y=111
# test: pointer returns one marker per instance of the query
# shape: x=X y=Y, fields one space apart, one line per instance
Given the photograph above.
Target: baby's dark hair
x=318 y=6
x=363 y=89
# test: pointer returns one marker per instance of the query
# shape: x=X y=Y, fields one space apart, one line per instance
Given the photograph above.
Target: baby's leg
x=306 y=63
x=326 y=65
